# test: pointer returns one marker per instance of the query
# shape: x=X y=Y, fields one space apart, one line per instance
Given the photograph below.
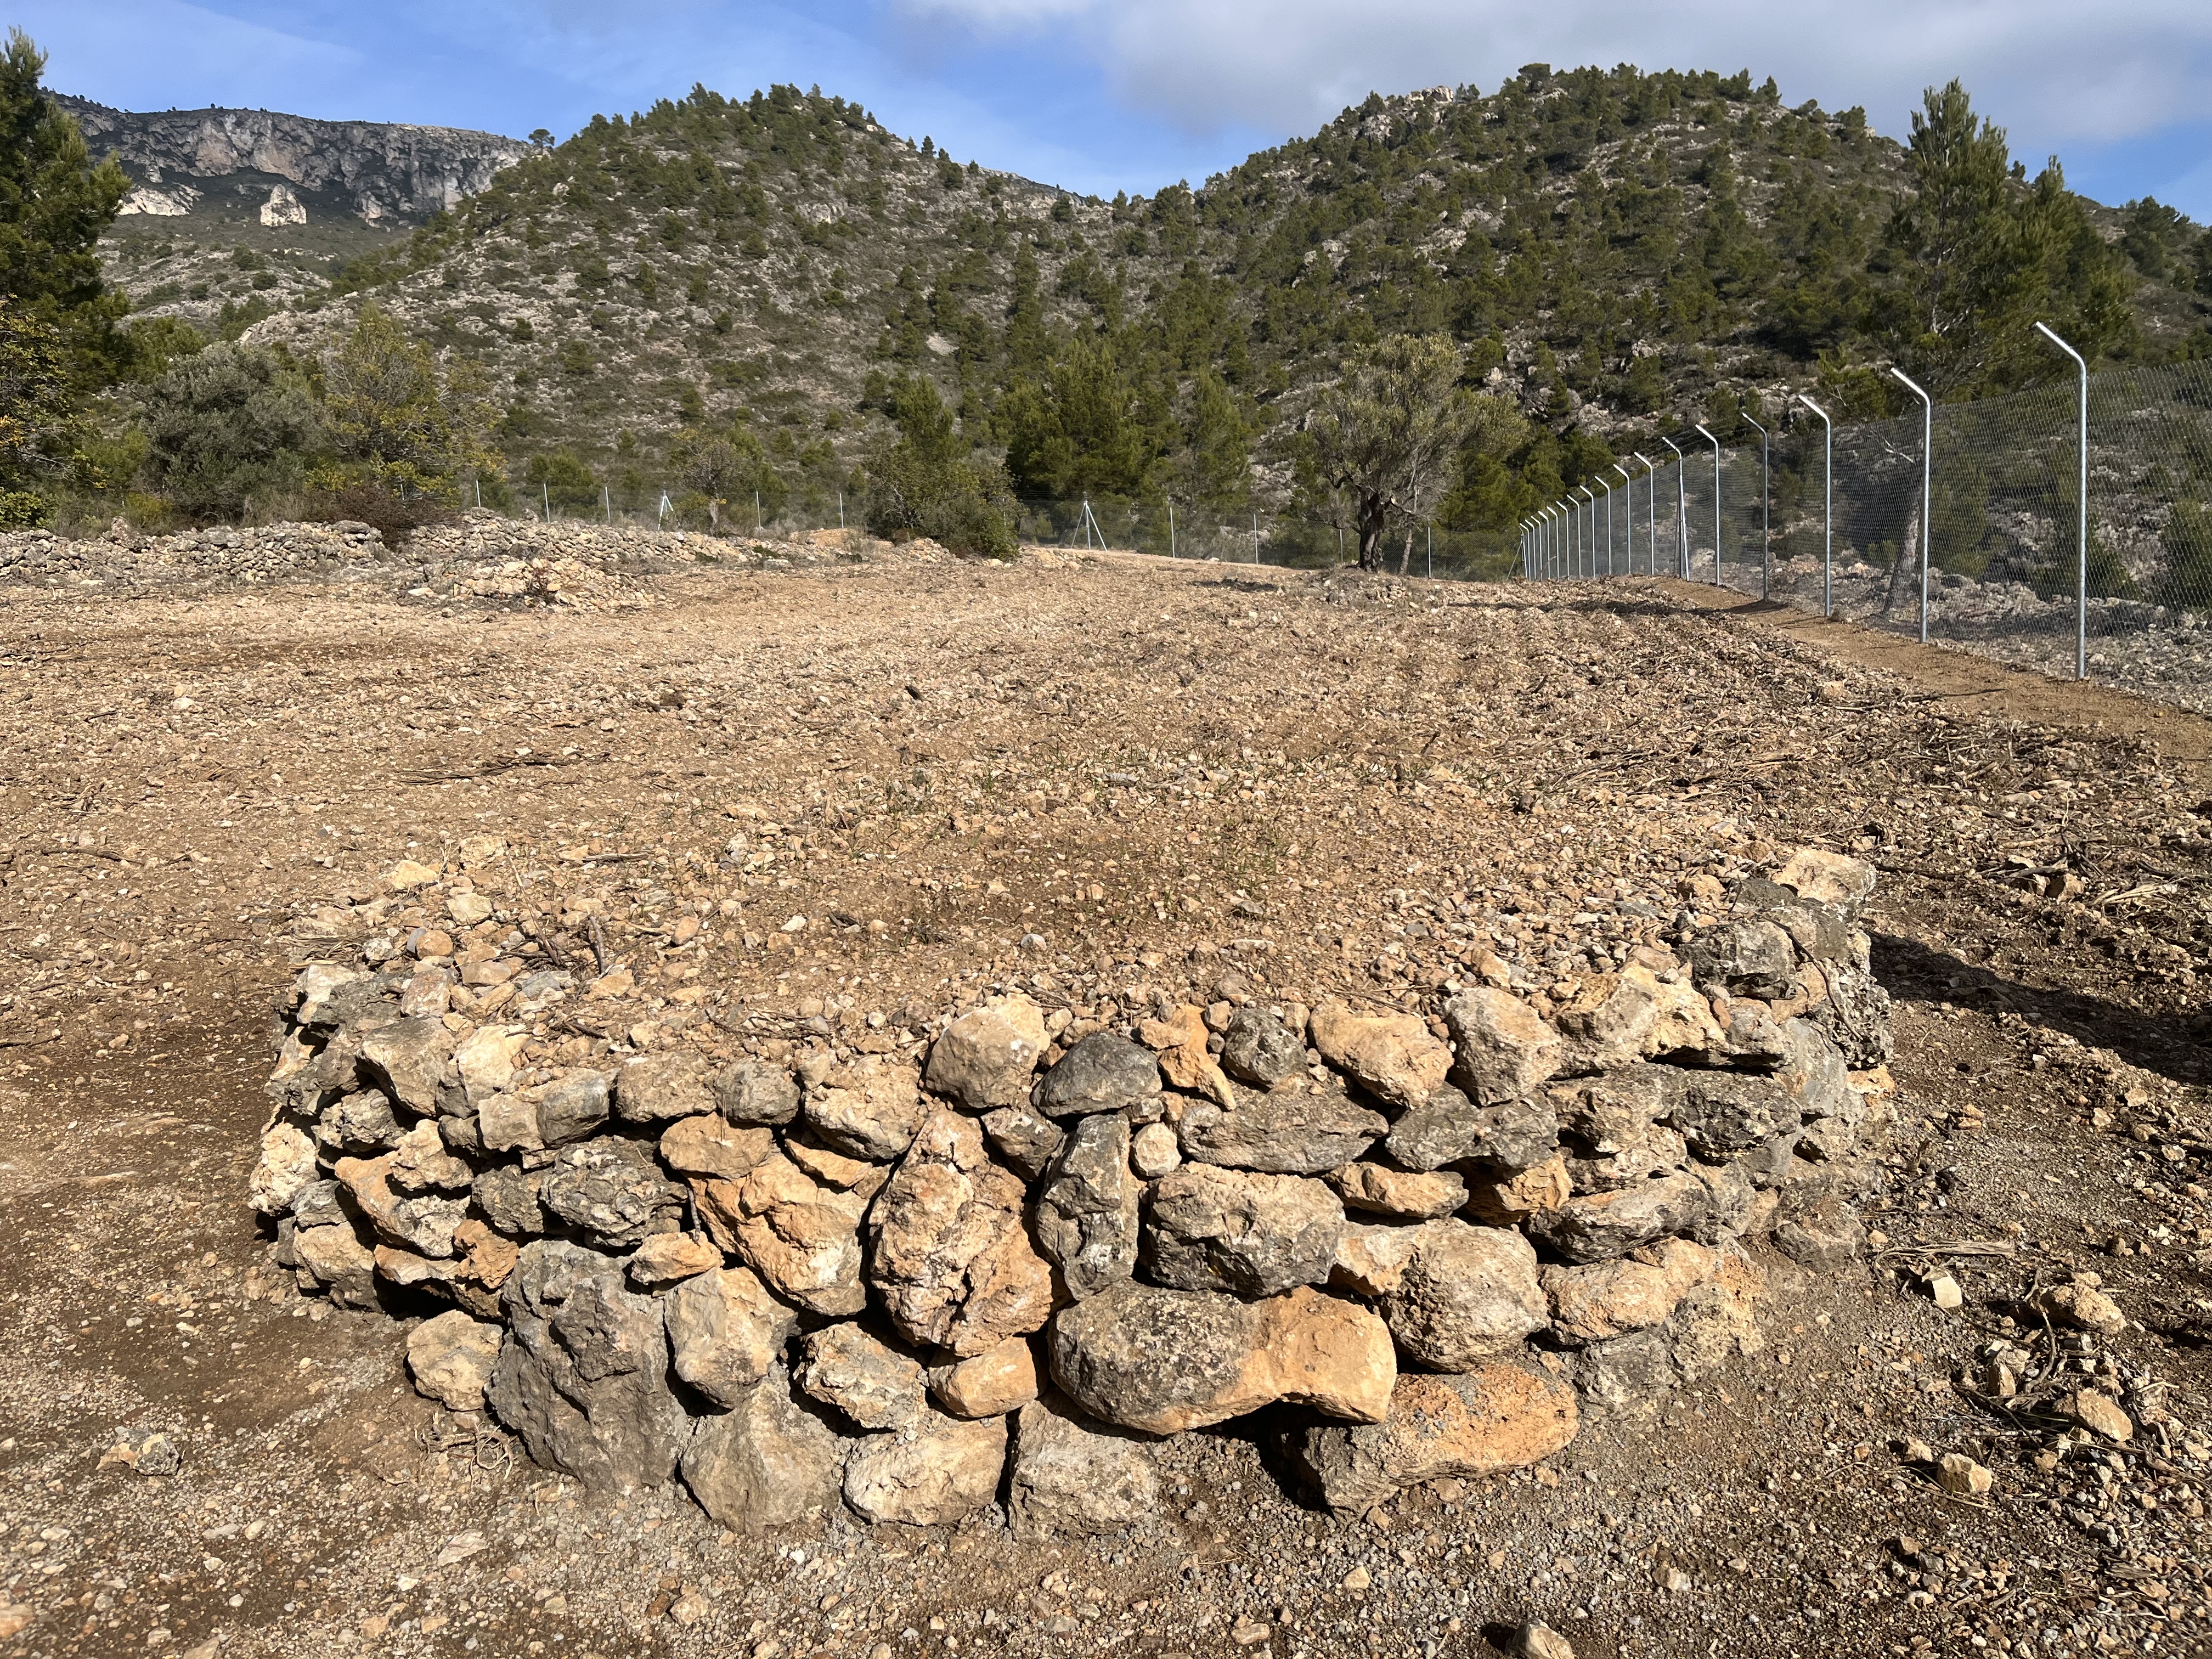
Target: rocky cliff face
x=187 y=163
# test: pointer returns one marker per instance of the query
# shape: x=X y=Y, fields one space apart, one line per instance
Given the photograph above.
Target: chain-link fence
x=1250 y=535
x=1984 y=499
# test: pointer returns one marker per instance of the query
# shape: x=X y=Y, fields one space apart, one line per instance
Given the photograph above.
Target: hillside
x=1612 y=245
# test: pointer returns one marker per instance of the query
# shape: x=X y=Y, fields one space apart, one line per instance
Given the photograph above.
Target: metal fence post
x=1765 y=512
x=1607 y=489
x=1715 y=443
x=1650 y=519
x=1628 y=517
x=1828 y=509
x=545 y=492
x=1433 y=547
x=1171 y=536
x=1927 y=490
x=2081 y=520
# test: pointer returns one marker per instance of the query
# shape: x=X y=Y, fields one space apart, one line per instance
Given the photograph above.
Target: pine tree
x=54 y=204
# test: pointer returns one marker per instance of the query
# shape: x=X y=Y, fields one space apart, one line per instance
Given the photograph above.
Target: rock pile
x=918 y=1278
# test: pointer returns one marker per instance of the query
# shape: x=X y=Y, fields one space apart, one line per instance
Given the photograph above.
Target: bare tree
x=1390 y=432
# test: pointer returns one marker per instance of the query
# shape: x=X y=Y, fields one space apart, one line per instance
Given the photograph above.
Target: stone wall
x=994 y=1257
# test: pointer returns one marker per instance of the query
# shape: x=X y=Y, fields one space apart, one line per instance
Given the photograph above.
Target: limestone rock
x=287 y=1169
x=361 y=1124
x=1829 y=878
x=507 y=1198
x=1612 y=1298
x=998 y=1380
x=1153 y=1151
x=421 y=1163
x=1257 y=1047
x=768 y=1461
x=336 y=1258
x=670 y=1259
x=450 y=1359
x=1073 y=1477
x=711 y=1145
x=1086 y=1206
x=1497 y=1417
x=753 y=1093
x=1370 y=1260
x=1291 y=1131
x=582 y=1377
x=485 y=1060
x=724 y=1332
x=801 y=1236
x=948 y=1253
x=1164 y=1361
x=1104 y=1072
x=573 y=1107
x=986 y=1058
x=1448 y=1127
x=1025 y=1140
x=1465 y=1293
x=2083 y=1304
x=1602 y=1225
x=612 y=1190
x=869 y=1108
x=423 y=1222
x=1411 y=1195
x=849 y=1174
x=1248 y=1234
x=1391 y=1055
x=937 y=1470
x=870 y=1382
x=1516 y=1199
x=1503 y=1049
x=406 y=1059
x=2098 y=1413
x=662 y=1088
x=1618 y=1019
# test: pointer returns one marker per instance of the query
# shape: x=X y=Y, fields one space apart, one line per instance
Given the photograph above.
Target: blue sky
x=1105 y=94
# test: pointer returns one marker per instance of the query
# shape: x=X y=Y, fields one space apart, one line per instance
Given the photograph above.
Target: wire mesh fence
x=1981 y=501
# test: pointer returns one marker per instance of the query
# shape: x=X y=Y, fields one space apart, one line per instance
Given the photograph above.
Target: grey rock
x=871 y=1382
x=1614 y=1110
x=658 y=1089
x=1252 y=1235
x=751 y=1091
x=1025 y=1140
x=1465 y=1293
x=986 y=1058
x=1070 y=1476
x=1823 y=1236
x=1721 y=1114
x=1257 y=1047
x=583 y=1377
x=572 y=1107
x=1625 y=1373
x=868 y=1108
x=768 y=1461
x=724 y=1332
x=1502 y=1048
x=358 y=1125
x=507 y=1197
x=335 y=1260
x=1158 y=1360
x=1750 y=956
x=1290 y=1131
x=936 y=1471
x=613 y=1190
x=406 y=1059
x=1604 y=1226
x=1085 y=1216
x=1856 y=1016
x=1104 y=1072
x=1448 y=1127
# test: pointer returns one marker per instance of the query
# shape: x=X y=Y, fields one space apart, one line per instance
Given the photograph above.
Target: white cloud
x=2052 y=73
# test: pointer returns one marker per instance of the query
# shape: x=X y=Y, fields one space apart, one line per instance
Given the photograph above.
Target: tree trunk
x=713 y=516
x=1374 y=516
x=1405 y=553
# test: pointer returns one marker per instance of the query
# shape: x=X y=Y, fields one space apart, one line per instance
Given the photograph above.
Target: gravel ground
x=1109 y=773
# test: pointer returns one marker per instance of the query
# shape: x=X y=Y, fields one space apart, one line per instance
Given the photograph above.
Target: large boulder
x=407 y=1057
x=1259 y=1049
x=1617 y=1019
x=1391 y=1055
x=1448 y=1127
x=1164 y=1361
x=1503 y=1048
x=800 y=1235
x=1250 y=1235
x=287 y=1168
x=868 y=1108
x=725 y=1332
x=1104 y=1072
x=1607 y=1299
x=1086 y=1208
x=936 y=1470
x=1071 y=1476
x=986 y=1058
x=1292 y=1131
x=583 y=1377
x=768 y=1461
x=1465 y=1293
x=871 y=1382
x=948 y=1252
x=1495 y=1417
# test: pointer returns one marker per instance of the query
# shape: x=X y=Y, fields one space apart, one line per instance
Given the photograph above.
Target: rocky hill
x=1611 y=244
x=298 y=195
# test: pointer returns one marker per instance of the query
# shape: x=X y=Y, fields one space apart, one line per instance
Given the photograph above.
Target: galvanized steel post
x=1715 y=443
x=1827 y=510
x=1681 y=511
x=1766 y=513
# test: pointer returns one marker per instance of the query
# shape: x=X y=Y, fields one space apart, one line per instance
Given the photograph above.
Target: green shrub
x=226 y=425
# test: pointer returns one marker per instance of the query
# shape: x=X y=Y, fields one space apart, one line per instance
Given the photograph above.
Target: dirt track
x=1145 y=768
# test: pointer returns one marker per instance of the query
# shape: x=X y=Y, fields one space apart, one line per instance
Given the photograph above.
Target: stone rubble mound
x=996 y=1263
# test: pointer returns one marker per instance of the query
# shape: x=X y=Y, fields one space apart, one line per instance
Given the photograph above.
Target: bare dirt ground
x=1109 y=773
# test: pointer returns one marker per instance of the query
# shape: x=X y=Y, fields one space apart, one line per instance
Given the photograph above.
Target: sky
x=1100 y=95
